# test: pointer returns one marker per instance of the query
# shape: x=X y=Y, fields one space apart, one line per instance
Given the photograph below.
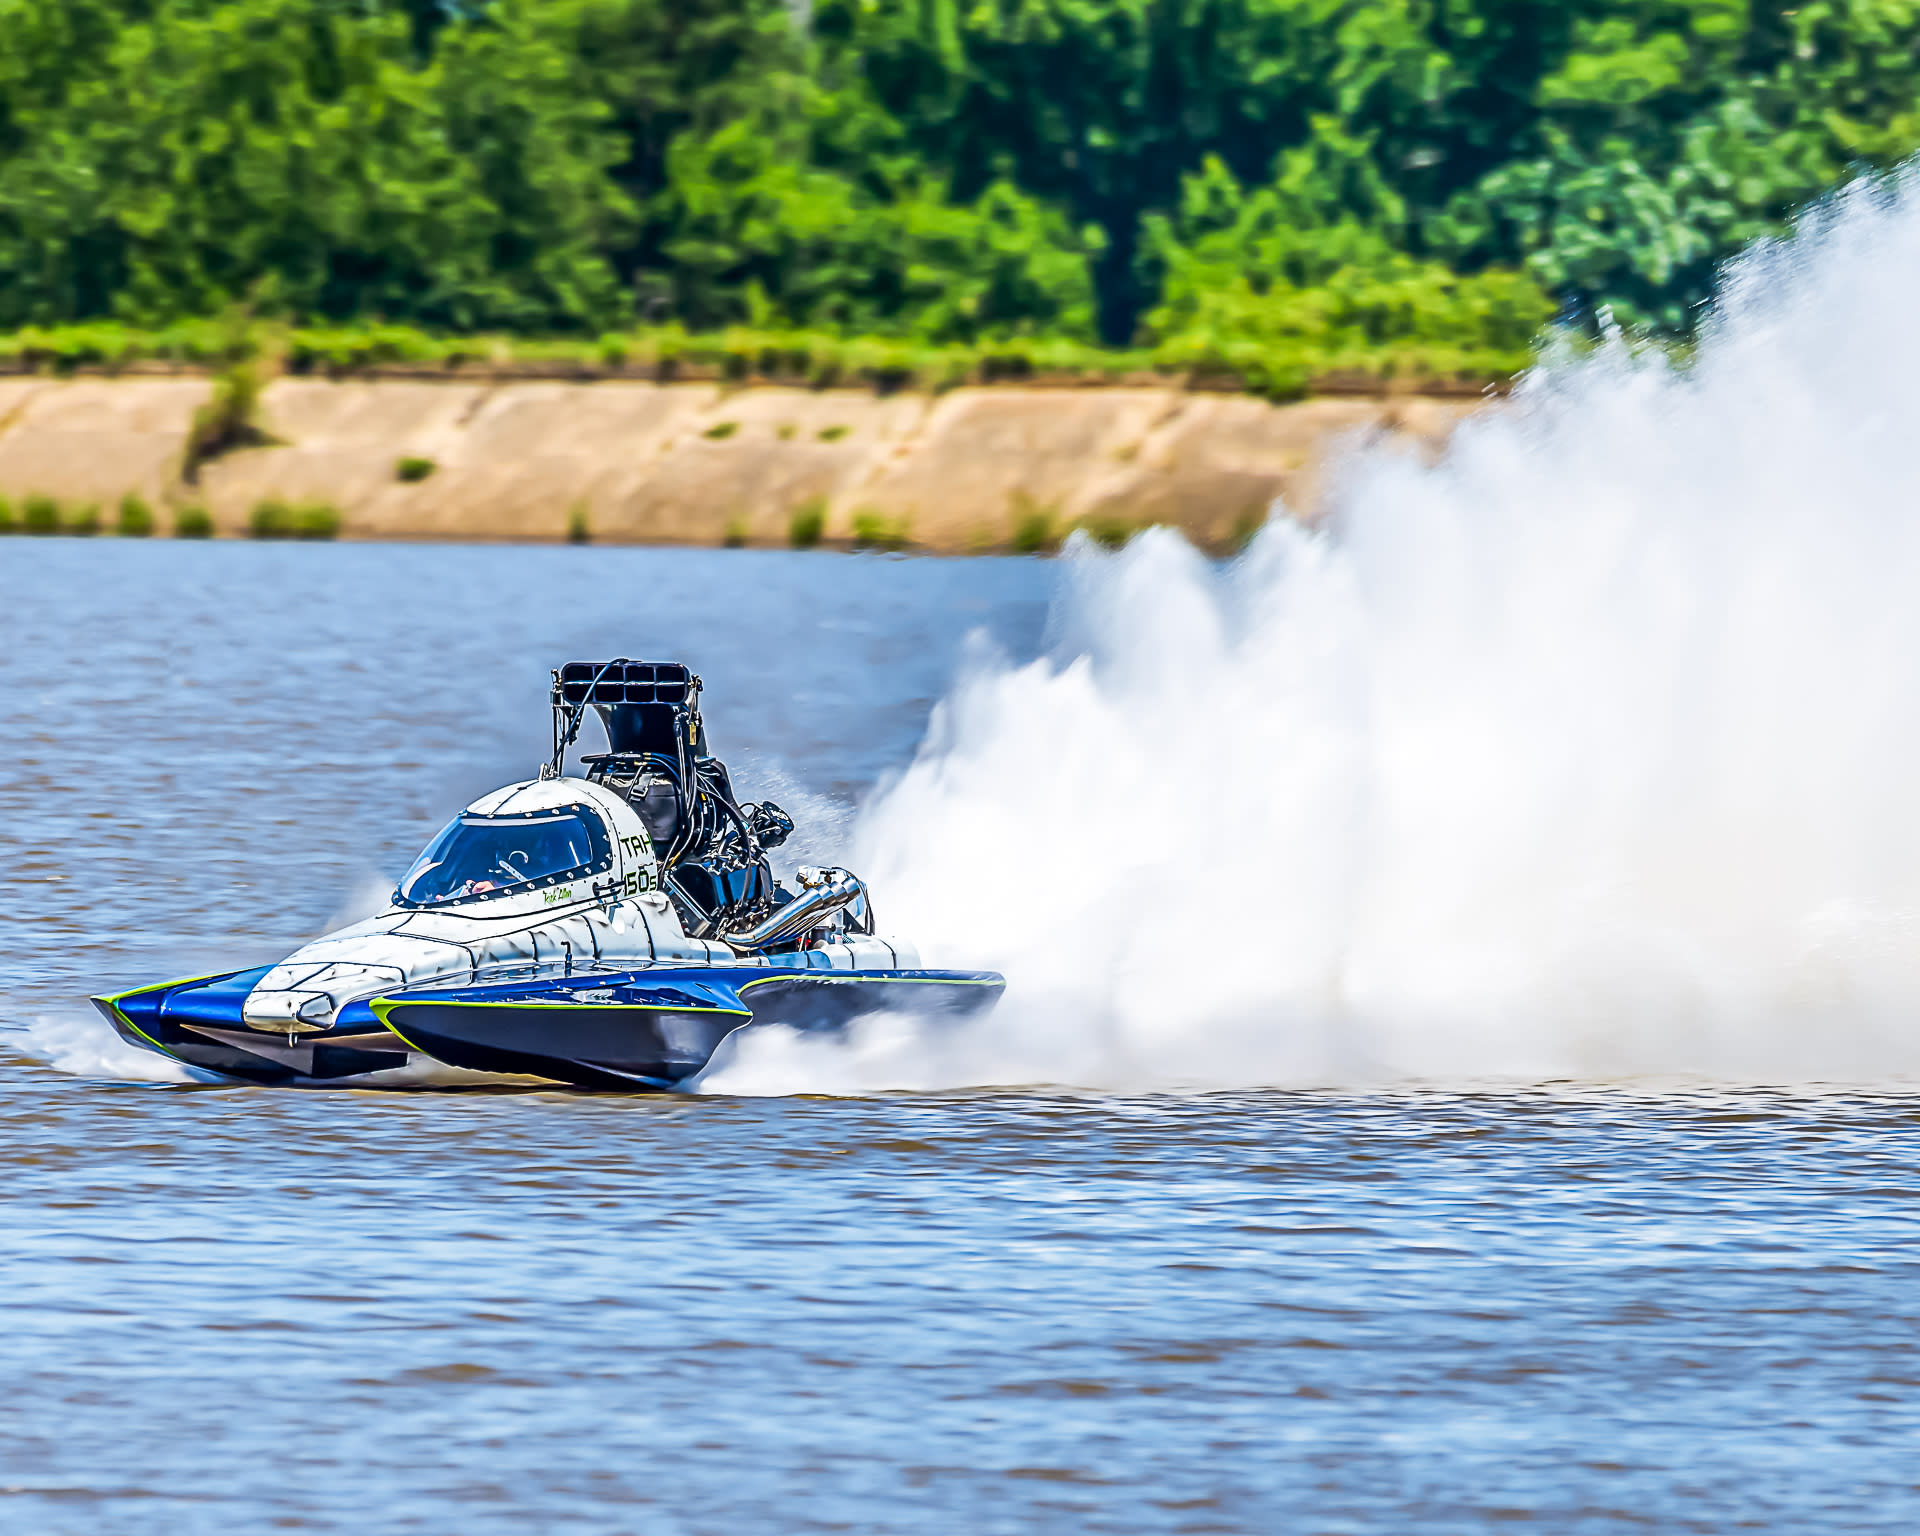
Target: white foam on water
x=84 y=1045
x=1593 y=750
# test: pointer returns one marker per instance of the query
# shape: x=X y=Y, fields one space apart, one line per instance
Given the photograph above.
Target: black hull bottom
x=644 y=1045
x=631 y=1031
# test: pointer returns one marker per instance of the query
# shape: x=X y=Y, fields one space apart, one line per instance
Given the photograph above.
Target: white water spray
x=1594 y=750
x=83 y=1045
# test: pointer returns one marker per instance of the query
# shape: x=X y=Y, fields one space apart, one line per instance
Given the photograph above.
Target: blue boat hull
x=652 y=1028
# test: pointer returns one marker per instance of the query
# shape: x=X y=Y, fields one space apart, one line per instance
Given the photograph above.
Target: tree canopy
x=1230 y=171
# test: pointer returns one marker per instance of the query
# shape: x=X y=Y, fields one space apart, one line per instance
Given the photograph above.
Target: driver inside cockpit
x=482 y=856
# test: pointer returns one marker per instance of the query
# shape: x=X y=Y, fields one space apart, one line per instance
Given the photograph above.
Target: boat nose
x=288 y=1012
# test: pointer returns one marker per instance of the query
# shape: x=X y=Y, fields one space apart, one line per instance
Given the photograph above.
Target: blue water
x=1602 y=1308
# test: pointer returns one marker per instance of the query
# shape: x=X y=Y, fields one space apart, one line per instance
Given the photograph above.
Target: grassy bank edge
x=1036 y=530
x=872 y=533
x=746 y=356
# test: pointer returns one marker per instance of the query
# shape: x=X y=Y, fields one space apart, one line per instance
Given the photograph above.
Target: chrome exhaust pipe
x=823 y=892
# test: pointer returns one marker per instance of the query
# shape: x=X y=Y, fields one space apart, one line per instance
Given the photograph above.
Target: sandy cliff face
x=94 y=440
x=697 y=463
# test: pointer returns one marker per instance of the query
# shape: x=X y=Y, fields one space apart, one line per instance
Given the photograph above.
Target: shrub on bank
x=316 y=520
x=1033 y=529
x=230 y=420
x=41 y=515
x=136 y=517
x=873 y=529
x=1109 y=532
x=277 y=519
x=808 y=522
x=270 y=519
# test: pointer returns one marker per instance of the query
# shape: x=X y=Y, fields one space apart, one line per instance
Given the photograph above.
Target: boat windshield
x=481 y=856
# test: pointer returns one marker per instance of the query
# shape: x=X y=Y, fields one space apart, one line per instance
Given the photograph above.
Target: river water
x=1668 y=1304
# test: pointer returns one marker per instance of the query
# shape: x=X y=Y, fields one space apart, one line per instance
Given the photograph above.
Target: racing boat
x=607 y=930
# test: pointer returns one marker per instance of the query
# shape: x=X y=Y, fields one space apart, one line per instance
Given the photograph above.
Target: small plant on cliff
x=720 y=431
x=231 y=417
x=276 y=519
x=735 y=534
x=136 y=517
x=808 y=522
x=41 y=514
x=316 y=520
x=1033 y=531
x=411 y=470
x=85 y=522
x=833 y=434
x=193 y=523
x=873 y=529
x=7 y=524
x=1249 y=523
x=228 y=421
x=1109 y=532
x=577 y=530
x=270 y=519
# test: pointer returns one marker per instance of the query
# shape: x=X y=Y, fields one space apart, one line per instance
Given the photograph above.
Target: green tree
x=1303 y=274
x=1621 y=149
x=760 y=235
x=926 y=169
x=664 y=69
x=291 y=151
x=1105 y=107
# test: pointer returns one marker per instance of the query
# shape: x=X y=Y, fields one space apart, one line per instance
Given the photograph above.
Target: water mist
x=1592 y=750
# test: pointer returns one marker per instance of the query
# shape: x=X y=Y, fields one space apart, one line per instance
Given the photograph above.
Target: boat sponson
x=639 y=1029
x=650 y=1030
x=198 y=1022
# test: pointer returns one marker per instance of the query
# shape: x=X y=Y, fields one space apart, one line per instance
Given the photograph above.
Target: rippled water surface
x=1594 y=1308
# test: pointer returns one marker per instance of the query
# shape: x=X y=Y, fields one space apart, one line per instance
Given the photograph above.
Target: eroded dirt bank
x=699 y=463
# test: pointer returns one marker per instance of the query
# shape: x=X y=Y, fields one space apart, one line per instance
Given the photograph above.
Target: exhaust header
x=823 y=892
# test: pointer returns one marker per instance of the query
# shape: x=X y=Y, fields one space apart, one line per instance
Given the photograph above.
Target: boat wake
x=82 y=1045
x=1589 y=751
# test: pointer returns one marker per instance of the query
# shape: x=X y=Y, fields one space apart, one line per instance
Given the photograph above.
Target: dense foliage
x=1232 y=180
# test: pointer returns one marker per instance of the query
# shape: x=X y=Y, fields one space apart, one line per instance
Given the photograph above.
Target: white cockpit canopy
x=480 y=856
